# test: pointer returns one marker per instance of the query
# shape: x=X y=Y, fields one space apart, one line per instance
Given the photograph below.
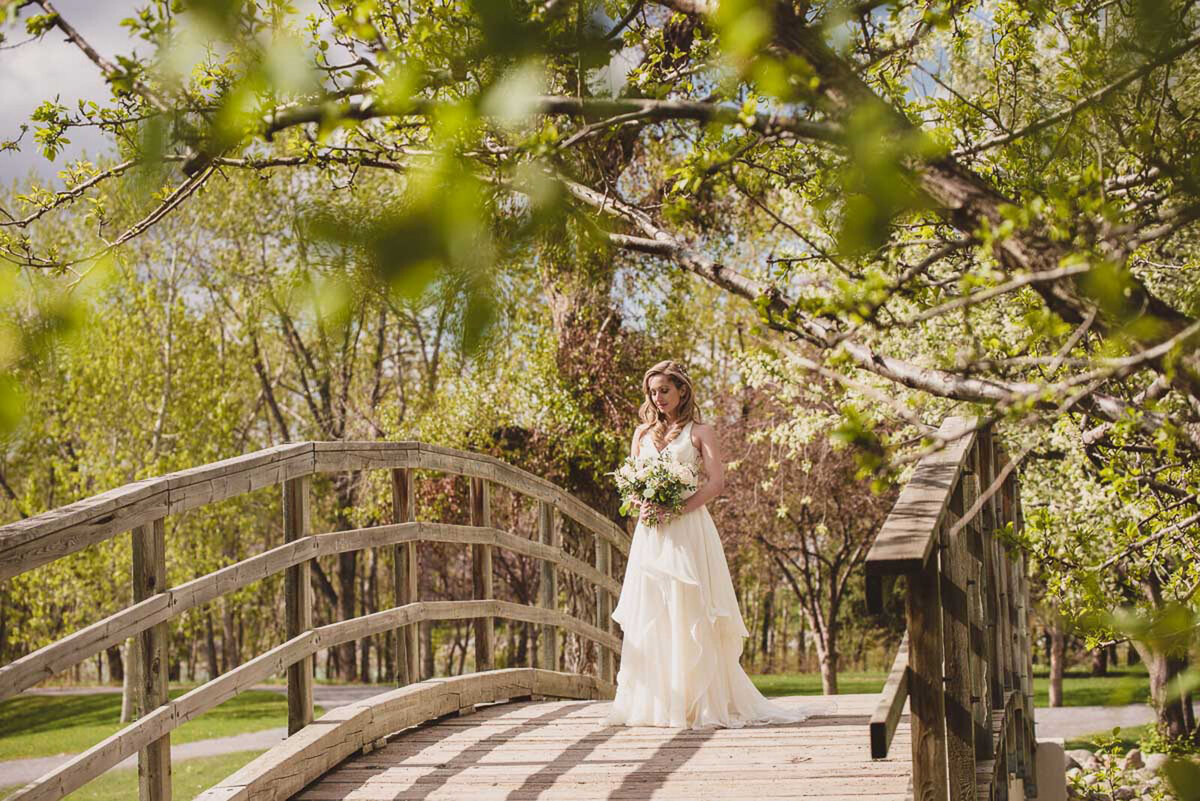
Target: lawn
x=44 y=725
x=1125 y=686
x=188 y=779
x=1129 y=738
x=773 y=684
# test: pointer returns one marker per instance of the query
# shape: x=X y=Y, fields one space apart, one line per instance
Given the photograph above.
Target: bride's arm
x=714 y=468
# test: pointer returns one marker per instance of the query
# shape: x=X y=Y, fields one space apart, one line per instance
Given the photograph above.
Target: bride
x=682 y=627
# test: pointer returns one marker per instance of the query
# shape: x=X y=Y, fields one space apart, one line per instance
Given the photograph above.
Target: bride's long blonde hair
x=660 y=429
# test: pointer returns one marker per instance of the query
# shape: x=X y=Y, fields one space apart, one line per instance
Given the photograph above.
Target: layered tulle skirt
x=683 y=635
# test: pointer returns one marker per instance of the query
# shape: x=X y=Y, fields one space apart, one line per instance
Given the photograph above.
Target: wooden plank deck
x=551 y=750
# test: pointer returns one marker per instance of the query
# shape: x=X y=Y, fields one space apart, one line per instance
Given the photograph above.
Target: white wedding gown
x=682 y=628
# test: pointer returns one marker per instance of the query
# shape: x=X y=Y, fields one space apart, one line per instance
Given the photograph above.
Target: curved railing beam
x=906 y=538
x=110 y=751
x=288 y=767
x=43 y=538
x=33 y=542
x=74 y=648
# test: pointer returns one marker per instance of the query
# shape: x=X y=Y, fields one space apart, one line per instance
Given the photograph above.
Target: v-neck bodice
x=681 y=446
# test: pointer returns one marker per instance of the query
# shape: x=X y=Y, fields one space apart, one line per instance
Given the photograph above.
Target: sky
x=38 y=71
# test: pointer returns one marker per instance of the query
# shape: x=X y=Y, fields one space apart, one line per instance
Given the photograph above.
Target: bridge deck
x=561 y=750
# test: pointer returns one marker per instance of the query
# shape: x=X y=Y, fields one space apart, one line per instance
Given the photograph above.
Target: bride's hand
x=656 y=512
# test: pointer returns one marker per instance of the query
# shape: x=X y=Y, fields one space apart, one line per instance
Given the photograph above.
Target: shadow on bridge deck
x=561 y=750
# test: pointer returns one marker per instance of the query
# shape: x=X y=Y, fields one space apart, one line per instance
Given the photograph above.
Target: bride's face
x=664 y=394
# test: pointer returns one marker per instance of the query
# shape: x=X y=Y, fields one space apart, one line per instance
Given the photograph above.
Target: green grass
x=45 y=725
x=771 y=684
x=1129 y=738
x=1120 y=687
x=188 y=779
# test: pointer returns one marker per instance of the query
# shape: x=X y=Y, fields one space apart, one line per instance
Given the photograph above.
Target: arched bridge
x=535 y=732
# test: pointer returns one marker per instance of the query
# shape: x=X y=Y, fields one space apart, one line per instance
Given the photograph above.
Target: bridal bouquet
x=661 y=479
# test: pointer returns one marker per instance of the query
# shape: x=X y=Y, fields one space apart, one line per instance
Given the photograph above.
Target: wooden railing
x=964 y=665
x=142 y=508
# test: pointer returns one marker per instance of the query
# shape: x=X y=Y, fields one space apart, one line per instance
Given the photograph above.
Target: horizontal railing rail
x=964 y=666
x=143 y=506
x=164 y=719
x=34 y=541
x=60 y=655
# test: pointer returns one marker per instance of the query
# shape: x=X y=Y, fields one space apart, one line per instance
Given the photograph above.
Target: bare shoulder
x=704 y=432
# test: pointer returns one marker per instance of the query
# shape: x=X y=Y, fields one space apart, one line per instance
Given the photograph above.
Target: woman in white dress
x=682 y=627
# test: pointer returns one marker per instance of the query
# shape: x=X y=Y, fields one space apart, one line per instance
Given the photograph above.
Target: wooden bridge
x=536 y=732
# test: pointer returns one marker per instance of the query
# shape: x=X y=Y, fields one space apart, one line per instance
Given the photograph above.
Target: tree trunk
x=428 y=670
x=370 y=605
x=347 y=586
x=827 y=652
x=1057 y=654
x=1100 y=662
x=1164 y=668
x=229 y=655
x=116 y=667
x=462 y=656
x=210 y=645
x=523 y=646
x=130 y=683
x=452 y=650
x=768 y=614
x=783 y=635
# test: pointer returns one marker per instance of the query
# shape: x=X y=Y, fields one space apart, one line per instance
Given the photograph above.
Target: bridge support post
x=298 y=603
x=981 y=710
x=150 y=578
x=959 y=667
x=549 y=586
x=604 y=607
x=404 y=574
x=481 y=574
x=927 y=697
x=1026 y=662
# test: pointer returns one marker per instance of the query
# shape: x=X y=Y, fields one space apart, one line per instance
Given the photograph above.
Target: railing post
x=549 y=586
x=481 y=574
x=991 y=586
x=926 y=694
x=150 y=578
x=1027 y=652
x=298 y=603
x=977 y=603
x=604 y=607
x=404 y=575
x=1003 y=584
x=956 y=631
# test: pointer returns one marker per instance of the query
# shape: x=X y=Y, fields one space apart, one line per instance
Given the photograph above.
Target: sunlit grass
x=45 y=725
x=1120 y=687
x=188 y=779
